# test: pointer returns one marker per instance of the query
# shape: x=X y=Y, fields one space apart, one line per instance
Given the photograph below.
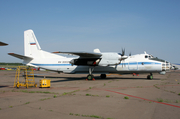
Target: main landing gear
x=91 y=77
x=103 y=76
x=150 y=76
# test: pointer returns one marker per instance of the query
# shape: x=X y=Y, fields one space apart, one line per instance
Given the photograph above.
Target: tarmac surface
x=72 y=97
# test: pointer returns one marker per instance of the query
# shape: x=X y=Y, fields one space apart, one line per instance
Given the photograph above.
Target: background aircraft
x=2 y=44
x=175 y=66
x=84 y=62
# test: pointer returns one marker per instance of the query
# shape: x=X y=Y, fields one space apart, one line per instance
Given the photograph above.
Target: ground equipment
x=45 y=83
x=28 y=77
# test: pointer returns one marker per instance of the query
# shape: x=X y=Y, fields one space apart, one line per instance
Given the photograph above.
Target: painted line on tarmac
x=143 y=98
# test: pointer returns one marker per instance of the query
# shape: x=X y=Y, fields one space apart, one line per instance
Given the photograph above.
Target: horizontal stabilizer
x=82 y=54
x=20 y=56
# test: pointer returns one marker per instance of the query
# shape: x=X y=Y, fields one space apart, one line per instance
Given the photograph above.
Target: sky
x=83 y=25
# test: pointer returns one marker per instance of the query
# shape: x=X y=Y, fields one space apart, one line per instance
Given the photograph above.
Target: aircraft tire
x=103 y=76
x=90 y=77
x=150 y=77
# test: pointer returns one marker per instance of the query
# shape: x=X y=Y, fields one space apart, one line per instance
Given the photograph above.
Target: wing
x=20 y=56
x=83 y=54
x=85 y=58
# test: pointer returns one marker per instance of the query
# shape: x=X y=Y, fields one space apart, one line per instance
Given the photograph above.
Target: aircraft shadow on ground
x=84 y=78
x=3 y=86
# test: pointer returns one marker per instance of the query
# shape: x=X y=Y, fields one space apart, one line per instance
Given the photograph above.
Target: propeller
x=123 y=57
x=123 y=52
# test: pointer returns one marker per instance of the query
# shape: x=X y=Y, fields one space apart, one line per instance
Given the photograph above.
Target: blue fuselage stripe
x=140 y=63
x=131 y=63
x=51 y=64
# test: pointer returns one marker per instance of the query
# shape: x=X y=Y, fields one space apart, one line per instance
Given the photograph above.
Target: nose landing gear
x=150 y=76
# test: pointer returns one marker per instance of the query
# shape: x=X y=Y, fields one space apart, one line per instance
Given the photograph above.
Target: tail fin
x=31 y=45
x=33 y=49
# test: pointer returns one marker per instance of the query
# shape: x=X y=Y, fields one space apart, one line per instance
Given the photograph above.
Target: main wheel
x=103 y=76
x=90 y=77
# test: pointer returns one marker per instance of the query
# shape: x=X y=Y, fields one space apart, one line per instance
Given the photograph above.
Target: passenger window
x=146 y=56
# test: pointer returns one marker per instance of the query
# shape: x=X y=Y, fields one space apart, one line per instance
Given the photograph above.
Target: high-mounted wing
x=19 y=56
x=83 y=54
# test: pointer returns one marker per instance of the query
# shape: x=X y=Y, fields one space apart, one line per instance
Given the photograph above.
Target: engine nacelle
x=109 y=59
x=86 y=61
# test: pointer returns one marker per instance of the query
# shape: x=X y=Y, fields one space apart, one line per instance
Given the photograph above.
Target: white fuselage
x=133 y=64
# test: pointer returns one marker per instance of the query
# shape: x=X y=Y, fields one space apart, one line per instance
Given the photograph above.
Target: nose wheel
x=150 y=76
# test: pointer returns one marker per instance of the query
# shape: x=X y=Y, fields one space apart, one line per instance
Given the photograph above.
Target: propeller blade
x=123 y=52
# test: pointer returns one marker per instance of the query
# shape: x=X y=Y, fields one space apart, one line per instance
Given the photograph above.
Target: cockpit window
x=151 y=56
x=146 y=56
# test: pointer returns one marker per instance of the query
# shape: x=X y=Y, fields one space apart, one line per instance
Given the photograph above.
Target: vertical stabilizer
x=33 y=49
x=31 y=45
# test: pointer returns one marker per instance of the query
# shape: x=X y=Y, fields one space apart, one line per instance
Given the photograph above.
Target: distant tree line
x=1 y=63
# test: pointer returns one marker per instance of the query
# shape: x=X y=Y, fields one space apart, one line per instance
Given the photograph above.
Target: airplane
x=175 y=66
x=2 y=44
x=89 y=62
